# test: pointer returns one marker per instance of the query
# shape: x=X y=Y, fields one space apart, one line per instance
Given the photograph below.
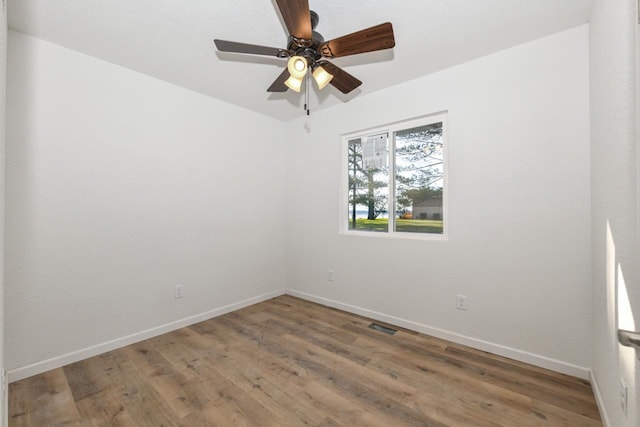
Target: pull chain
x=306 y=94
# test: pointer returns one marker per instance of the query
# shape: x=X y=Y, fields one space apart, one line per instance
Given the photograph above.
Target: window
x=395 y=179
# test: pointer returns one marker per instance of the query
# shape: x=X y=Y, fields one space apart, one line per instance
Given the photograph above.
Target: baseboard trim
x=501 y=350
x=534 y=359
x=75 y=356
x=599 y=400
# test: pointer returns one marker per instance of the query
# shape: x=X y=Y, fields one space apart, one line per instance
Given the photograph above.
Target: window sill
x=396 y=235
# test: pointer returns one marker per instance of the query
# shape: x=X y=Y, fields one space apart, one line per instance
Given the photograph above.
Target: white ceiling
x=173 y=40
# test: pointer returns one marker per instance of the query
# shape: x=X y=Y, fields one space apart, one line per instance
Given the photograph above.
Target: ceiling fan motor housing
x=309 y=49
x=314 y=19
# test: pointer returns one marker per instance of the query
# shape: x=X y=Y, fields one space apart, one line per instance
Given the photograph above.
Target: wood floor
x=288 y=362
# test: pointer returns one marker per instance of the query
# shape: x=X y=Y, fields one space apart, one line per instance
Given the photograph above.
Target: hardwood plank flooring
x=290 y=362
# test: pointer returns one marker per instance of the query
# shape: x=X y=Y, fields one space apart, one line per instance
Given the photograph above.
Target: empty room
x=323 y=213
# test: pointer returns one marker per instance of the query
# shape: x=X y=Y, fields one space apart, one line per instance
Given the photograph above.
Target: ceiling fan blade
x=296 y=16
x=228 y=46
x=278 y=85
x=341 y=80
x=368 y=40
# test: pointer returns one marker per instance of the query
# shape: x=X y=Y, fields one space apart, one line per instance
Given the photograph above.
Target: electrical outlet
x=623 y=397
x=330 y=276
x=461 y=302
x=178 y=293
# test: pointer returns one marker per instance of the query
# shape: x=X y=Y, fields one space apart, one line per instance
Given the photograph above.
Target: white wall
x=119 y=187
x=616 y=270
x=3 y=83
x=519 y=207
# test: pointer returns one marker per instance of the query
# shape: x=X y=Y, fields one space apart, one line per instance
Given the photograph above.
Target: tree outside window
x=411 y=200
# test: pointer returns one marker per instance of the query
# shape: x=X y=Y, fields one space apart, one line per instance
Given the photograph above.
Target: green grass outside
x=402 y=225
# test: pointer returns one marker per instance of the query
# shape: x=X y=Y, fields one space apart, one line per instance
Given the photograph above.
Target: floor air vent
x=382 y=329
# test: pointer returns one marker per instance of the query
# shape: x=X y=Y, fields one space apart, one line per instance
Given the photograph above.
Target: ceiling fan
x=307 y=50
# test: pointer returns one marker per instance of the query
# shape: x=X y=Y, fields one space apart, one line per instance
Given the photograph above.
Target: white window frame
x=391 y=129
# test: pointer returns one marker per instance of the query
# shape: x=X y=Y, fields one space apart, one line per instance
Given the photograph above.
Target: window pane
x=368 y=183
x=419 y=179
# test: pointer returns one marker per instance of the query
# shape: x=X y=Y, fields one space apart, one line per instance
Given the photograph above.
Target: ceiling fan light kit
x=306 y=49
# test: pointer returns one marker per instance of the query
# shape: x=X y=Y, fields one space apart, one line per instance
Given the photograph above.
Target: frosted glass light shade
x=293 y=83
x=297 y=66
x=322 y=77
